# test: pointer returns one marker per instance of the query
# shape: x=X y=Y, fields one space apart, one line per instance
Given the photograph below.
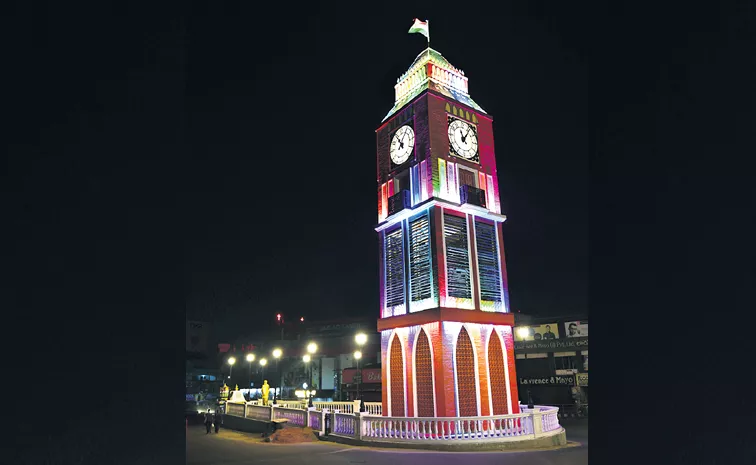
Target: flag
x=421 y=27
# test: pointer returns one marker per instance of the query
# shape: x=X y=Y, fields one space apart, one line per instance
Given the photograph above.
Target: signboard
x=338 y=329
x=537 y=333
x=369 y=375
x=576 y=329
x=561 y=345
x=582 y=379
x=548 y=381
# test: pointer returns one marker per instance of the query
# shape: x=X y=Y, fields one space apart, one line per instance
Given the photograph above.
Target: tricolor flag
x=421 y=27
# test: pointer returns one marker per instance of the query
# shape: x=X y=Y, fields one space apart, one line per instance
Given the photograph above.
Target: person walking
x=208 y=421
x=218 y=420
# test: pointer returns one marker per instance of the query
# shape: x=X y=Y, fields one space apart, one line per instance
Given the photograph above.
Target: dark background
x=131 y=197
x=281 y=155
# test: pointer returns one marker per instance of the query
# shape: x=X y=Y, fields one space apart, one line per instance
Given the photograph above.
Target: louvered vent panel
x=394 y=268
x=420 y=258
x=457 y=257
x=488 y=262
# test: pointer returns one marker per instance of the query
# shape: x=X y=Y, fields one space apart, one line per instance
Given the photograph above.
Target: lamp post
x=263 y=362
x=250 y=359
x=231 y=361
x=311 y=349
x=277 y=355
x=358 y=356
x=360 y=339
x=306 y=359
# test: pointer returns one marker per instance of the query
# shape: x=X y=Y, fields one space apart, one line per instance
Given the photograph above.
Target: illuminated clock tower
x=446 y=332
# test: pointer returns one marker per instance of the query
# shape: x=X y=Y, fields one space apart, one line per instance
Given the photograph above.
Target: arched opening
x=397 y=378
x=424 y=377
x=466 y=380
x=497 y=376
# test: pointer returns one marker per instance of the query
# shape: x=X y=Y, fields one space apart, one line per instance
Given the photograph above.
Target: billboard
x=537 y=333
x=369 y=375
x=576 y=329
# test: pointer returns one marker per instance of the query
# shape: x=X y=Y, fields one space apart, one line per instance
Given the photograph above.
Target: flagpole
x=428 y=22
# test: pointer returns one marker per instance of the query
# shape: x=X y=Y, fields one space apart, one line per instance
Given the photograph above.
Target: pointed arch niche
x=397 y=378
x=424 y=377
x=466 y=381
x=497 y=376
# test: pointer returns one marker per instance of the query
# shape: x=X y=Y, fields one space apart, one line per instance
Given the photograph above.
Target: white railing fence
x=374 y=408
x=341 y=407
x=462 y=428
x=296 y=417
x=371 y=426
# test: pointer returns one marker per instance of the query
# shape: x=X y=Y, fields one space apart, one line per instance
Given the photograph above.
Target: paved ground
x=233 y=448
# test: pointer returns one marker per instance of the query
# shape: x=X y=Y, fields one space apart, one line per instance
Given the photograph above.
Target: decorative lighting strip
x=466 y=208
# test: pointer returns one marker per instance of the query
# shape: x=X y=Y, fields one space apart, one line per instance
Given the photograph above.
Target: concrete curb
x=538 y=444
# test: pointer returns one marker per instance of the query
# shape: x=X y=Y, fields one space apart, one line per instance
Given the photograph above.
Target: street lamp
x=250 y=359
x=360 y=339
x=231 y=361
x=263 y=362
x=277 y=355
x=311 y=349
x=358 y=357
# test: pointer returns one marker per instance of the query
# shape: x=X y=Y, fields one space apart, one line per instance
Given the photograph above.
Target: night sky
x=281 y=155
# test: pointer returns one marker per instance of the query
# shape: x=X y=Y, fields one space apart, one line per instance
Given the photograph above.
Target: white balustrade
x=236 y=410
x=371 y=426
x=374 y=408
x=295 y=416
x=500 y=427
x=315 y=420
x=341 y=407
x=258 y=412
x=344 y=424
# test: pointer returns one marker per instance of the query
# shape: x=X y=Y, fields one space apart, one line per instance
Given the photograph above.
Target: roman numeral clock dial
x=402 y=144
x=463 y=139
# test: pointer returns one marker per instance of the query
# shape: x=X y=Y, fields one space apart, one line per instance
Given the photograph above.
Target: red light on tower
x=301 y=319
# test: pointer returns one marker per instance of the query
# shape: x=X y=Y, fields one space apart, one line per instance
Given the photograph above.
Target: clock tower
x=446 y=329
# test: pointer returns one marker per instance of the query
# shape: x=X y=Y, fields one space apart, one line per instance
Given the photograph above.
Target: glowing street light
x=361 y=339
x=312 y=348
x=358 y=357
x=231 y=361
x=277 y=355
x=250 y=359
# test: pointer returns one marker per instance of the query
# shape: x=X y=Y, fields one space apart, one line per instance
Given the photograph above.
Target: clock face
x=402 y=144
x=463 y=139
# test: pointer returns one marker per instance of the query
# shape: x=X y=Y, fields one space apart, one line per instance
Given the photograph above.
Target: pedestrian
x=218 y=420
x=208 y=421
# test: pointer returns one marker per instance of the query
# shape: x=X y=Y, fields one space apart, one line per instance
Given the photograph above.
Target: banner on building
x=537 y=333
x=576 y=329
x=369 y=375
x=582 y=379
x=552 y=345
x=548 y=381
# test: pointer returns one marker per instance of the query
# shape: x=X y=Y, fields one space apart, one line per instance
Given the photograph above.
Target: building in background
x=336 y=345
x=552 y=362
x=201 y=367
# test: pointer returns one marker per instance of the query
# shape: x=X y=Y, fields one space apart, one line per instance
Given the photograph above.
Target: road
x=234 y=448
